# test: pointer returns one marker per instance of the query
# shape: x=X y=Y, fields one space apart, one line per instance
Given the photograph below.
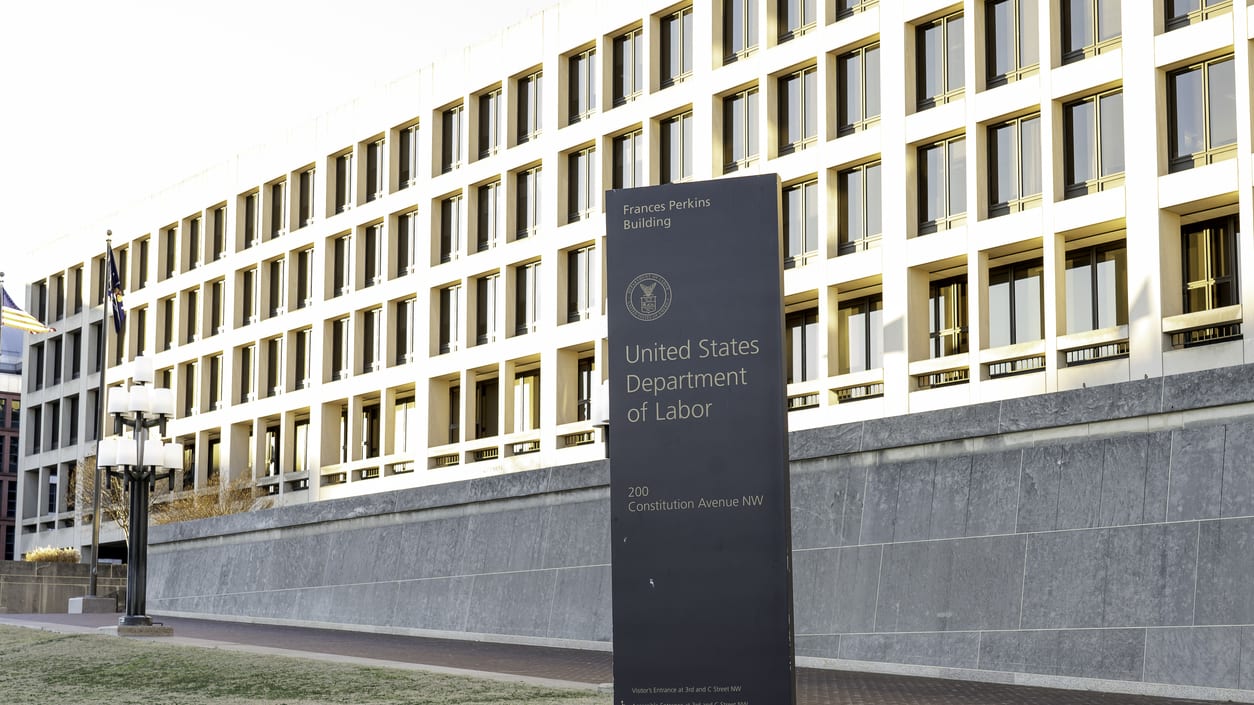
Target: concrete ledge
x=133 y=631
x=90 y=604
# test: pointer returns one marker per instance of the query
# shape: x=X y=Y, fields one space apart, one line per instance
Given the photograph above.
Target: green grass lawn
x=38 y=667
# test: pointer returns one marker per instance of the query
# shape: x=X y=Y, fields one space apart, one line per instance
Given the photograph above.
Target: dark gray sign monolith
x=702 y=590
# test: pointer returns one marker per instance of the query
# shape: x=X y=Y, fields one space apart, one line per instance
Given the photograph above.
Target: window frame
x=1225 y=229
x=581 y=193
x=1101 y=181
x=581 y=84
x=947 y=93
x=627 y=83
x=948 y=218
x=845 y=243
x=1096 y=301
x=1021 y=174
x=805 y=80
x=1206 y=10
x=1013 y=273
x=744 y=103
x=747 y=12
x=627 y=150
x=451 y=129
x=866 y=82
x=1022 y=66
x=1094 y=43
x=956 y=307
x=1209 y=153
x=683 y=20
x=803 y=323
x=807 y=245
x=530 y=106
x=489 y=122
x=680 y=125
x=865 y=306
x=806 y=14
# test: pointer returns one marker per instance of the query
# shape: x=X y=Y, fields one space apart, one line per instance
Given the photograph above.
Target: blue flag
x=115 y=292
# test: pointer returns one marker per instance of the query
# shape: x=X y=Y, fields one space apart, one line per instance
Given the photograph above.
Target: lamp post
x=138 y=459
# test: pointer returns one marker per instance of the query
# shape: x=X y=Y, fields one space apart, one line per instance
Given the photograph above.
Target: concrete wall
x=1095 y=538
x=46 y=588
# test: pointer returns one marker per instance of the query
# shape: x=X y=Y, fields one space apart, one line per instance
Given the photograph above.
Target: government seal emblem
x=648 y=296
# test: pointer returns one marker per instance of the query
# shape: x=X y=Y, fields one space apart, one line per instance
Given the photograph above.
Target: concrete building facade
x=984 y=201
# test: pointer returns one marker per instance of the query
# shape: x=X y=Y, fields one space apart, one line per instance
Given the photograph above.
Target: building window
x=451 y=139
x=249 y=297
x=486 y=301
x=191 y=321
x=450 y=318
x=942 y=185
x=343 y=183
x=580 y=297
x=1093 y=143
x=801 y=223
x=939 y=70
x=372 y=340
x=798 y=110
x=1016 y=303
x=170 y=265
x=740 y=130
x=218 y=246
x=373 y=253
x=530 y=107
x=581 y=190
x=278 y=208
x=527 y=401
x=304 y=278
x=740 y=29
x=628 y=81
x=801 y=338
x=584 y=389
x=489 y=123
x=858 y=90
x=629 y=160
x=795 y=17
x=488 y=220
x=454 y=414
x=251 y=214
x=276 y=288
x=406 y=311
x=215 y=382
x=487 y=408
x=340 y=340
x=676 y=149
x=1089 y=27
x=193 y=245
x=1210 y=264
x=848 y=8
x=582 y=85
x=304 y=339
x=1097 y=287
x=450 y=228
x=1014 y=165
x=860 y=339
x=1011 y=40
x=374 y=170
x=274 y=367
x=407 y=154
x=858 y=192
x=307 y=196
x=1201 y=105
x=217 y=307
x=406 y=247
x=1181 y=13
x=342 y=265
x=526 y=297
x=947 y=317
x=527 y=203
x=676 y=47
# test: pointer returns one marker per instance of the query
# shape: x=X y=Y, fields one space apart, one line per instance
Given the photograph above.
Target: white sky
x=104 y=103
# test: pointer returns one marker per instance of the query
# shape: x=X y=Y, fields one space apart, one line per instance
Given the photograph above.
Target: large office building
x=981 y=201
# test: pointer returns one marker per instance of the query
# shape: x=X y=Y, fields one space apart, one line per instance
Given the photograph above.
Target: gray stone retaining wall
x=46 y=588
x=1101 y=538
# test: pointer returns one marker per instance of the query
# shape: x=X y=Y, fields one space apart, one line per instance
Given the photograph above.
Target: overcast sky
x=105 y=103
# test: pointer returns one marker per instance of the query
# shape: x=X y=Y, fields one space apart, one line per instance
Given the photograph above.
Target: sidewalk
x=569 y=668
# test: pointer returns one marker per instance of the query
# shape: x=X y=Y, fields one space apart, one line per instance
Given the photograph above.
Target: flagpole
x=102 y=362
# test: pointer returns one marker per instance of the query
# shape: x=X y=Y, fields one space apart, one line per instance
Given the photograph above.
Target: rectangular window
x=251 y=214
x=795 y=17
x=488 y=220
x=450 y=319
x=858 y=195
x=584 y=389
x=450 y=228
x=676 y=47
x=215 y=382
x=76 y=288
x=1016 y=303
x=529 y=107
x=801 y=223
x=581 y=193
x=526 y=298
x=1011 y=40
x=801 y=338
x=1093 y=143
x=848 y=8
x=454 y=414
x=371 y=340
x=1210 y=264
x=171 y=255
x=193 y=244
x=527 y=401
x=527 y=203
x=582 y=85
x=740 y=130
x=939 y=64
x=304 y=340
x=274 y=367
x=407 y=154
x=406 y=310
x=489 y=123
x=217 y=307
x=406 y=245
x=278 y=209
x=451 y=139
x=343 y=183
x=942 y=185
x=141 y=338
x=1089 y=27
x=1181 y=13
x=486 y=300
x=860 y=323
x=372 y=269
x=740 y=29
x=249 y=309
x=308 y=191
x=1201 y=105
x=405 y=424
x=628 y=66
x=342 y=265
x=341 y=338
x=374 y=170
x=276 y=288
x=798 y=110
x=487 y=408
x=858 y=90
x=676 y=149
x=218 y=247
x=76 y=360
x=1014 y=165
x=304 y=278
x=947 y=317
x=300 y=463
x=580 y=298
x=191 y=321
x=1097 y=287
x=629 y=160
x=247 y=373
